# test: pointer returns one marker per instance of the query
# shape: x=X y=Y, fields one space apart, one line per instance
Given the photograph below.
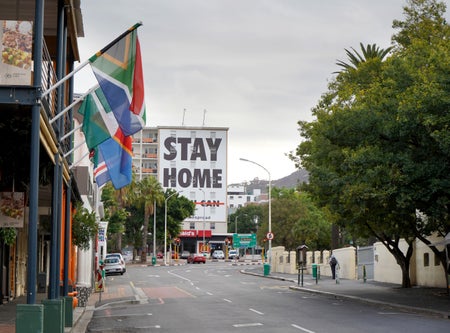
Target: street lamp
x=204 y=218
x=165 y=225
x=270 y=205
x=235 y=221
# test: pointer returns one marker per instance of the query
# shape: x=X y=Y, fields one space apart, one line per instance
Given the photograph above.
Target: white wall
x=386 y=268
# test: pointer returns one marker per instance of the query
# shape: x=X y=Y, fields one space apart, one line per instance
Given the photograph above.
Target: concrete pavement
x=429 y=301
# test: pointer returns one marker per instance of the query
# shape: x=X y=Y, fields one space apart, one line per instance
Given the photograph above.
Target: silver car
x=113 y=266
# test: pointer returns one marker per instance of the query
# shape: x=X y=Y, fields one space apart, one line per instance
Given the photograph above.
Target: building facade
x=38 y=175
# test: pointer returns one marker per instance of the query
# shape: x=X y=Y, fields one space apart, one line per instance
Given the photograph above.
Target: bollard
x=53 y=315
x=68 y=311
x=364 y=273
x=29 y=318
x=337 y=273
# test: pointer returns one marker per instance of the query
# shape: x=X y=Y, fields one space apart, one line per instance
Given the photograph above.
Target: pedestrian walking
x=333 y=263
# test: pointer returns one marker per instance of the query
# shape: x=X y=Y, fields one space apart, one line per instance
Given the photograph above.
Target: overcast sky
x=255 y=66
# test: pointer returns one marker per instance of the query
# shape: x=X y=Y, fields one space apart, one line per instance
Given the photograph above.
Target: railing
x=49 y=102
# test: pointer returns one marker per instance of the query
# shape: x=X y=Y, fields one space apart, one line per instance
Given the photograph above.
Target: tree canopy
x=378 y=151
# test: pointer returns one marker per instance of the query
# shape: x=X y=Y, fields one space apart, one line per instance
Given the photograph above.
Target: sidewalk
x=430 y=301
x=81 y=315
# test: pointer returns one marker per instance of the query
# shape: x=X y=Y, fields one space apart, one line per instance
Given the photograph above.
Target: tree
x=368 y=52
x=243 y=220
x=114 y=202
x=147 y=192
x=378 y=151
x=295 y=221
x=84 y=227
x=178 y=208
x=423 y=44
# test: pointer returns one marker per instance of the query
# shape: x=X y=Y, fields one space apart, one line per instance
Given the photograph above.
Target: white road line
x=227 y=300
x=248 y=325
x=256 y=311
x=208 y=293
x=302 y=328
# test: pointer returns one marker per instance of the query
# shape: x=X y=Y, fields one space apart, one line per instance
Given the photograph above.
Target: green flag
x=99 y=123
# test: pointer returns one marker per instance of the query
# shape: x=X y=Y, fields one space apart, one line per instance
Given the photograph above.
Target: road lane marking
x=208 y=293
x=247 y=325
x=227 y=300
x=256 y=311
x=302 y=329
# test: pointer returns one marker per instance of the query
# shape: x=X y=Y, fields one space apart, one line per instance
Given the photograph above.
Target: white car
x=114 y=266
x=233 y=254
x=218 y=254
x=118 y=256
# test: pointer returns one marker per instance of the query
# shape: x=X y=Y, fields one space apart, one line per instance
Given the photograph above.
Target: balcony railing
x=49 y=102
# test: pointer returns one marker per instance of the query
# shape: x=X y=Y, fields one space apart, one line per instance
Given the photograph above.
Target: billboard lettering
x=193 y=161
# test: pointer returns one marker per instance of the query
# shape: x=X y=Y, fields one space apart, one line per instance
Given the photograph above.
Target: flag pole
x=107 y=47
x=64 y=79
x=70 y=133
x=59 y=115
x=99 y=53
x=74 y=148
x=82 y=157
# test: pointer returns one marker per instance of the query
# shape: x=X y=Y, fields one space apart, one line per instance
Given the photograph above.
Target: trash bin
x=314 y=271
x=153 y=261
x=266 y=269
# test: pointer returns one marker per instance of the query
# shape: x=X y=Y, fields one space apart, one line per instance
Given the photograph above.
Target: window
x=426 y=259
x=212 y=225
x=437 y=262
x=192 y=225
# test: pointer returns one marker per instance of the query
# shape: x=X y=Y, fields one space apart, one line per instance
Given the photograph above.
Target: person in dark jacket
x=333 y=264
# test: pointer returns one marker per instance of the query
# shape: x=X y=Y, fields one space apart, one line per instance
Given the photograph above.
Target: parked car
x=113 y=266
x=233 y=254
x=185 y=254
x=196 y=258
x=159 y=255
x=206 y=254
x=118 y=256
x=218 y=254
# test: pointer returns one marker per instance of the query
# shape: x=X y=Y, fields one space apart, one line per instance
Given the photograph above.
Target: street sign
x=244 y=240
x=269 y=235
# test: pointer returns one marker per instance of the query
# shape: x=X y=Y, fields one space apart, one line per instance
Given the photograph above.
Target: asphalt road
x=216 y=297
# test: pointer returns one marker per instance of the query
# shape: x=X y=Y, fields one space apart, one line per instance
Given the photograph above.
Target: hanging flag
x=99 y=123
x=101 y=174
x=112 y=161
x=118 y=69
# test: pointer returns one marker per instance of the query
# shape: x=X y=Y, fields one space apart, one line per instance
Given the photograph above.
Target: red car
x=196 y=258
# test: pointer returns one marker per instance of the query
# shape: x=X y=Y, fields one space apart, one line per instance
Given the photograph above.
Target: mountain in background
x=292 y=181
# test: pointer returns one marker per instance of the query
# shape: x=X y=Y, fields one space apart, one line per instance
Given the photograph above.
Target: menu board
x=12 y=209
x=16 y=47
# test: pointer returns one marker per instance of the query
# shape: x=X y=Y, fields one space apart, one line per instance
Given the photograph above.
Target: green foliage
x=296 y=221
x=243 y=220
x=84 y=227
x=378 y=152
x=8 y=235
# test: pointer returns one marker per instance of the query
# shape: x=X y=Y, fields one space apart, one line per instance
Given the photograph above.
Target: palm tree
x=148 y=191
x=368 y=52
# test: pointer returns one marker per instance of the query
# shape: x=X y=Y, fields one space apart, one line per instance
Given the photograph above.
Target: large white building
x=192 y=161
